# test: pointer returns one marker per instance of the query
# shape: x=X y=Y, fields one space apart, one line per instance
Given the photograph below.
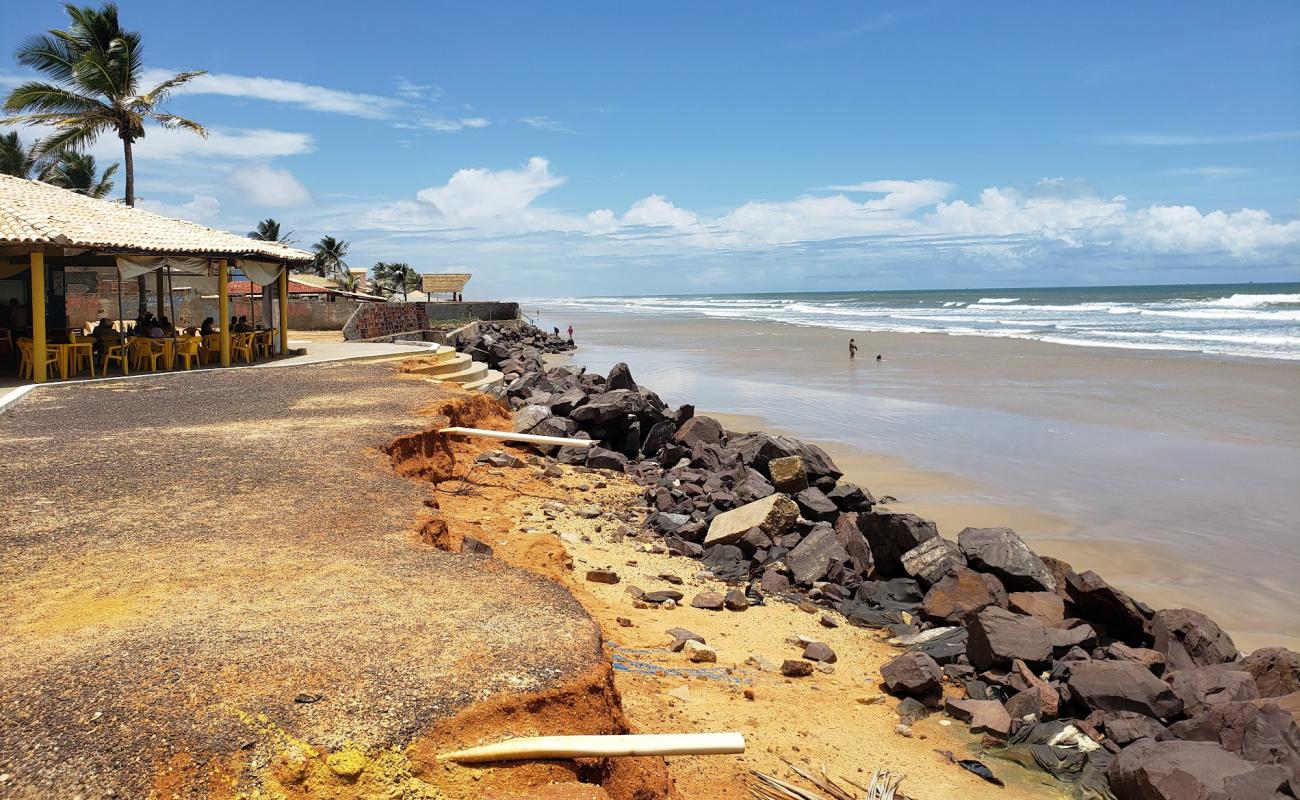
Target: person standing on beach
x=853 y=349
x=570 y=334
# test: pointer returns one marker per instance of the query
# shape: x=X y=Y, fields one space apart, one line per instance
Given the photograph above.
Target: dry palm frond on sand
x=883 y=786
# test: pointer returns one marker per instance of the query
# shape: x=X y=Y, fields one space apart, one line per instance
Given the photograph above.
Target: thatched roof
x=38 y=213
x=445 y=282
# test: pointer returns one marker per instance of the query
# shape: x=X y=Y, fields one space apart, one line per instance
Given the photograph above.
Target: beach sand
x=1173 y=475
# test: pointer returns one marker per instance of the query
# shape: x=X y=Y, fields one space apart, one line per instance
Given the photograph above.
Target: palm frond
x=50 y=54
x=173 y=121
x=38 y=98
x=159 y=94
x=71 y=138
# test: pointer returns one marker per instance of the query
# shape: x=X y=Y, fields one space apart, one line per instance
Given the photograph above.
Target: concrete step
x=491 y=380
x=451 y=362
x=476 y=370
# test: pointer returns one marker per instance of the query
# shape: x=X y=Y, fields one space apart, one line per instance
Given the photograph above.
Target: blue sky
x=587 y=148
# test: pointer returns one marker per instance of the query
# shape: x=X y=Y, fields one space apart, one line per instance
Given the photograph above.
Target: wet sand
x=1170 y=474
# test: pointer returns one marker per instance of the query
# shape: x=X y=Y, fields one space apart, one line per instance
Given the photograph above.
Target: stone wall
x=387 y=320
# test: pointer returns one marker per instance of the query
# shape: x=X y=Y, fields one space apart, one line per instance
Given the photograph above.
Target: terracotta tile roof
x=295 y=287
x=37 y=213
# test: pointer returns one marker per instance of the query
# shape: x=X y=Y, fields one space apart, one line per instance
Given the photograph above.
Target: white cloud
x=655 y=211
x=1210 y=172
x=1002 y=226
x=447 y=125
x=265 y=185
x=304 y=95
x=416 y=91
x=202 y=208
x=1186 y=140
x=1183 y=229
x=547 y=124
x=166 y=144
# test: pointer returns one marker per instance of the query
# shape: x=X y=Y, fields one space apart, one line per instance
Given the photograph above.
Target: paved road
x=180 y=556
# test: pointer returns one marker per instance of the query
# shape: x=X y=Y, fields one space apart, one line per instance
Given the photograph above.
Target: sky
x=583 y=148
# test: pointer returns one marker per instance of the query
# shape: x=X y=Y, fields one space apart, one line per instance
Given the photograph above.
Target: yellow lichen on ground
x=297 y=769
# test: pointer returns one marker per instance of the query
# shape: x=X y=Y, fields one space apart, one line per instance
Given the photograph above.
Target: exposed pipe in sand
x=639 y=744
x=531 y=438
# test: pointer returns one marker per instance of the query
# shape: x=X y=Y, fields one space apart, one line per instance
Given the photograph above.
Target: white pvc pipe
x=531 y=438
x=640 y=744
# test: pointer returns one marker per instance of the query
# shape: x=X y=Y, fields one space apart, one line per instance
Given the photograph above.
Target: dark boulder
x=854 y=543
x=600 y=458
x=891 y=535
x=1099 y=602
x=914 y=675
x=1276 y=670
x=1045 y=606
x=984 y=716
x=1122 y=686
x=656 y=437
x=620 y=377
x=816 y=506
x=1183 y=770
x=1188 y=639
x=958 y=597
x=1202 y=687
x=998 y=636
x=727 y=562
x=1001 y=552
x=699 y=430
x=1145 y=656
x=932 y=559
x=813 y=557
x=608 y=407
x=1263 y=734
x=1124 y=727
x=851 y=497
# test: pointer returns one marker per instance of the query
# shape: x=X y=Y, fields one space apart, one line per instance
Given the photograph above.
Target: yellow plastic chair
x=143 y=351
x=27 y=367
x=211 y=348
x=187 y=351
x=82 y=352
x=262 y=344
x=241 y=344
x=118 y=353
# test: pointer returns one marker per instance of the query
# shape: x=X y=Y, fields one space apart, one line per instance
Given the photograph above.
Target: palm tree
x=79 y=173
x=328 y=262
x=15 y=158
x=94 y=69
x=268 y=230
x=396 y=276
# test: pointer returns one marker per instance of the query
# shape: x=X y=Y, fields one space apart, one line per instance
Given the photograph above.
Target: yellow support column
x=283 y=286
x=38 y=316
x=223 y=309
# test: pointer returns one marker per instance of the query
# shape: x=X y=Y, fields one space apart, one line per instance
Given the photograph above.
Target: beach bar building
x=52 y=240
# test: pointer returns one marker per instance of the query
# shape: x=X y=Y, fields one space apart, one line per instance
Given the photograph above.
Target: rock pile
x=512 y=350
x=1086 y=681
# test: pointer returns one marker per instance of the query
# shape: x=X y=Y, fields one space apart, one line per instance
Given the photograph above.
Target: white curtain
x=134 y=266
x=264 y=273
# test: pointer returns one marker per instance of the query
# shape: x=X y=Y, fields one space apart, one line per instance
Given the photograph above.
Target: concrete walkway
x=201 y=569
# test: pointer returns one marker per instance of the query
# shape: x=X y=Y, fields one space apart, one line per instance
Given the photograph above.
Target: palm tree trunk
x=141 y=285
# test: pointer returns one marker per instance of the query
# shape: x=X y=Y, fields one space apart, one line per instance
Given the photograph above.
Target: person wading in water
x=853 y=349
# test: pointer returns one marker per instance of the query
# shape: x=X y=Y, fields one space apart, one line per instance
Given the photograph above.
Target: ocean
x=1246 y=320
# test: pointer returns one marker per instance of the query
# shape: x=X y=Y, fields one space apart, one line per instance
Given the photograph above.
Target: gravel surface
x=182 y=556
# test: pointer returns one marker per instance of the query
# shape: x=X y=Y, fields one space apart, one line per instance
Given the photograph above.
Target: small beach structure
x=452 y=283
x=52 y=240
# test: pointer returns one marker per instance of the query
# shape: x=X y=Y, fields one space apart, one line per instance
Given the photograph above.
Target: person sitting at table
x=242 y=326
x=206 y=328
x=105 y=335
x=168 y=328
x=155 y=330
x=234 y=324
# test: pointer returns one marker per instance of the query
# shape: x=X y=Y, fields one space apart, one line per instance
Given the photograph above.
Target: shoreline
x=1165 y=472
